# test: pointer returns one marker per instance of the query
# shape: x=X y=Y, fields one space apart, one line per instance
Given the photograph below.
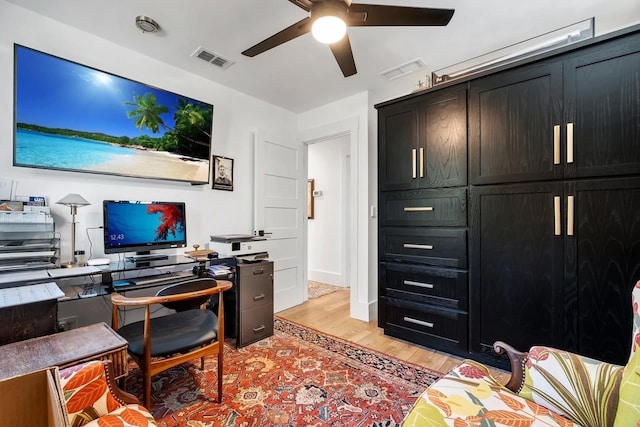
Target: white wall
x=327 y=230
x=235 y=117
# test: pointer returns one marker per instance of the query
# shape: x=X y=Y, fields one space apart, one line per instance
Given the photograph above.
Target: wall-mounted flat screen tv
x=72 y=117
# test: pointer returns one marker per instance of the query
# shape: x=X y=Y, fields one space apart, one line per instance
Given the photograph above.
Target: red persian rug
x=298 y=377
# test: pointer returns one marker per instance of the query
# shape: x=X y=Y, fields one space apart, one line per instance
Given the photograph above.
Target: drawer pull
x=257 y=272
x=556 y=145
x=556 y=215
x=418 y=284
x=570 y=214
x=258 y=329
x=418 y=208
x=569 y=142
x=418 y=322
x=413 y=162
x=414 y=246
x=258 y=297
x=421 y=162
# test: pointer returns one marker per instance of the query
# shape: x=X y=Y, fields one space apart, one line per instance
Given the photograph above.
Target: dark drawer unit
x=434 y=246
x=254 y=303
x=430 y=285
x=255 y=324
x=434 y=208
x=427 y=324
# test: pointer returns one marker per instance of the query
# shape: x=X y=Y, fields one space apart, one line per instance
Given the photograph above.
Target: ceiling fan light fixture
x=328 y=29
x=146 y=24
x=329 y=21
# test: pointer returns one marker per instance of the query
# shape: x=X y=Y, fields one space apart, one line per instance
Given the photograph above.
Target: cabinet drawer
x=255 y=270
x=441 y=208
x=256 y=324
x=255 y=291
x=427 y=325
x=430 y=285
x=435 y=246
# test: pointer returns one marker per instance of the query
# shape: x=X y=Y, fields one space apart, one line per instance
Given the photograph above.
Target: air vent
x=403 y=69
x=212 y=58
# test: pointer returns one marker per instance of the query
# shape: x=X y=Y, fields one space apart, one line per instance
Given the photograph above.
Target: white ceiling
x=302 y=74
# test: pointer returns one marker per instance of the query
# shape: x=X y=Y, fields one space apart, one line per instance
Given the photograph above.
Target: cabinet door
x=603 y=265
x=442 y=154
x=516 y=292
x=602 y=102
x=398 y=146
x=512 y=115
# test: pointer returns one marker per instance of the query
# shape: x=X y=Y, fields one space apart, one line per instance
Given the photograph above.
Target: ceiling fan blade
x=343 y=54
x=371 y=15
x=296 y=30
x=303 y=4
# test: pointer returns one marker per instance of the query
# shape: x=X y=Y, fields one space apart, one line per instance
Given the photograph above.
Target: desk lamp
x=74 y=201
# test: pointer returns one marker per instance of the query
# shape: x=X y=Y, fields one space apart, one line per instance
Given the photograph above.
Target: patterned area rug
x=298 y=377
x=318 y=289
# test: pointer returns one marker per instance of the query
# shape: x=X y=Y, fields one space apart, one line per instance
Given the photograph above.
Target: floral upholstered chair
x=548 y=387
x=93 y=398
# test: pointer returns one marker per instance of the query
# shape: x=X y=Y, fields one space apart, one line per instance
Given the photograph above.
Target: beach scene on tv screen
x=73 y=117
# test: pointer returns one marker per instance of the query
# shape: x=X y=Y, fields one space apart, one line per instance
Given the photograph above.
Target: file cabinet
x=253 y=305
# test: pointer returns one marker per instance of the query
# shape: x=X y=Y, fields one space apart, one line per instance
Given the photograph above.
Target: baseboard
x=327 y=277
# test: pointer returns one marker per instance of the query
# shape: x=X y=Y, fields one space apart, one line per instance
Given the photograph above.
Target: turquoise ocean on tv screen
x=41 y=149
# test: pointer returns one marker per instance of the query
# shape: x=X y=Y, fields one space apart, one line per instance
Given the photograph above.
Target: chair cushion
x=582 y=389
x=628 y=413
x=469 y=396
x=173 y=333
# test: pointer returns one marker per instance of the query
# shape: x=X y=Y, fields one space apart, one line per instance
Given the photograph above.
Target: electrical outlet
x=66 y=323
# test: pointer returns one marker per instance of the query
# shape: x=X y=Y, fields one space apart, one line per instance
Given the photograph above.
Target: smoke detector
x=146 y=24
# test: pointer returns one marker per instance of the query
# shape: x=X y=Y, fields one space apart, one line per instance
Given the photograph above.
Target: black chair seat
x=175 y=333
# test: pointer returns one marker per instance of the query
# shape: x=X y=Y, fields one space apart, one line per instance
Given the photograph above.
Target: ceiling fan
x=328 y=21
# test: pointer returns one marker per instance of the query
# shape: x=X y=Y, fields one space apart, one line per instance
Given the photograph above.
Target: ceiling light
x=329 y=29
x=328 y=22
x=146 y=24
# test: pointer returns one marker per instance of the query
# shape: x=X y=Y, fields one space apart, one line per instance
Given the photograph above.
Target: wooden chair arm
x=517 y=359
x=120 y=395
x=121 y=300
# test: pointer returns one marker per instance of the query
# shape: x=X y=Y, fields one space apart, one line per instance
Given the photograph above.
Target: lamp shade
x=73 y=200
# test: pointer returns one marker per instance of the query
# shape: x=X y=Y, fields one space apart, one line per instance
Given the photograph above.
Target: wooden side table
x=68 y=348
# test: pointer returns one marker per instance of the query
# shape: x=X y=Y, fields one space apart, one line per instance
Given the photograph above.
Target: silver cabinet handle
x=570 y=213
x=413 y=162
x=418 y=208
x=421 y=162
x=258 y=329
x=418 y=322
x=569 y=142
x=414 y=246
x=556 y=216
x=418 y=284
x=556 y=145
x=258 y=272
x=258 y=297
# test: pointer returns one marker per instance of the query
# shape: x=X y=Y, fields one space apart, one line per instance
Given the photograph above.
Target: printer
x=245 y=247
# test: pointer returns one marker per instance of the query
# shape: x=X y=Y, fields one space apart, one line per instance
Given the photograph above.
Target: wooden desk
x=68 y=348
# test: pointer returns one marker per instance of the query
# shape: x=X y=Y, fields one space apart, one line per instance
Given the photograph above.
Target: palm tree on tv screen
x=190 y=123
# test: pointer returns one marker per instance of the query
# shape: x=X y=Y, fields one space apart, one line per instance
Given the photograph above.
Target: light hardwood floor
x=330 y=314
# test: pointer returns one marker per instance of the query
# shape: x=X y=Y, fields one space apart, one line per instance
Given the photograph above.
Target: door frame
x=358 y=291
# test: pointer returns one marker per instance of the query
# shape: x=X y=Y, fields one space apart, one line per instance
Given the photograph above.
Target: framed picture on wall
x=310 y=199
x=222 y=173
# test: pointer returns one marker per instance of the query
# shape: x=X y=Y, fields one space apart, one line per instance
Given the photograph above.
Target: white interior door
x=280 y=208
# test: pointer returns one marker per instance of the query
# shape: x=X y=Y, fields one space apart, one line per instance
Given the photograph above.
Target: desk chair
x=159 y=343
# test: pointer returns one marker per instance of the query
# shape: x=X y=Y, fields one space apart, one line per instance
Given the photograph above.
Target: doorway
x=329 y=204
